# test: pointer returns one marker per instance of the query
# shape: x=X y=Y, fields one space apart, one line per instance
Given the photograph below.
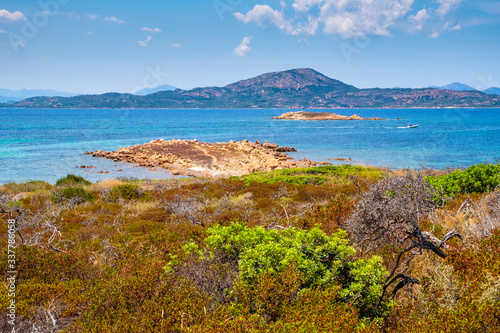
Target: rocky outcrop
x=305 y=115
x=194 y=158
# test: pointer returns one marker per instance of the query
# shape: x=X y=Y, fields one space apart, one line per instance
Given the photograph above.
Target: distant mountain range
x=457 y=86
x=148 y=91
x=7 y=95
x=492 y=91
x=292 y=89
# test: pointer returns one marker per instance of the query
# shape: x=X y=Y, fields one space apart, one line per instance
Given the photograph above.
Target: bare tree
x=41 y=227
x=44 y=319
x=214 y=274
x=390 y=213
x=190 y=207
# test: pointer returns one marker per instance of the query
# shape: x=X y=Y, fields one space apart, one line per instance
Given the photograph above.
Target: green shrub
x=31 y=186
x=315 y=176
x=71 y=179
x=77 y=193
x=126 y=191
x=478 y=178
x=318 y=260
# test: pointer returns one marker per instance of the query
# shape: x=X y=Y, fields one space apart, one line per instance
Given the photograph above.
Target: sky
x=124 y=46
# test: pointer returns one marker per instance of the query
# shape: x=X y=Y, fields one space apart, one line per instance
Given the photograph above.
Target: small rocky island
x=305 y=115
x=194 y=158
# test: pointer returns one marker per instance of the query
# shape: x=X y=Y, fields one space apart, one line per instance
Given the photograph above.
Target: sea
x=47 y=144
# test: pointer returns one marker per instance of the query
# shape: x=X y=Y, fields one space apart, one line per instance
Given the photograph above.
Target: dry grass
x=105 y=186
x=475 y=218
x=140 y=207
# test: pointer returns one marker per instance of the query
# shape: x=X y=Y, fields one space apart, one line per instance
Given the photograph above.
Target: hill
x=456 y=86
x=18 y=95
x=147 y=91
x=292 y=89
x=492 y=91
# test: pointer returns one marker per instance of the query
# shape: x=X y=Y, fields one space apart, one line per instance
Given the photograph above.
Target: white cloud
x=93 y=16
x=153 y=30
x=343 y=18
x=446 y=6
x=8 y=17
x=358 y=18
x=90 y=33
x=3 y=31
x=264 y=16
x=420 y=18
x=435 y=21
x=113 y=20
x=145 y=42
x=355 y=18
x=176 y=45
x=244 y=48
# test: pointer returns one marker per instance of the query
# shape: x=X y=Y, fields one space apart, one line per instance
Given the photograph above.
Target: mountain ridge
x=291 y=89
x=456 y=86
x=149 y=91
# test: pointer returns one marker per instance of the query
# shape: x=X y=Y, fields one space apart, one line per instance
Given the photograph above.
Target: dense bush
x=72 y=180
x=317 y=259
x=126 y=191
x=478 y=178
x=78 y=194
x=31 y=186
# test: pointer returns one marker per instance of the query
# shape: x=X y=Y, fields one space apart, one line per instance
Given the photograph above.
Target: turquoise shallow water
x=48 y=144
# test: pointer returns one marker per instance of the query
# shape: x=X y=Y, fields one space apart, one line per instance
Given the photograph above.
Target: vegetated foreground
x=324 y=249
x=194 y=158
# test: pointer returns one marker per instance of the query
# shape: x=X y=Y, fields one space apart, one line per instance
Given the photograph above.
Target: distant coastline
x=301 y=88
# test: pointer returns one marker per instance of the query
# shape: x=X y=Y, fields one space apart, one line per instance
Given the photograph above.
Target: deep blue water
x=48 y=144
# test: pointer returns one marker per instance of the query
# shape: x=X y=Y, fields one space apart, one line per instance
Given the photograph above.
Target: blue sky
x=99 y=46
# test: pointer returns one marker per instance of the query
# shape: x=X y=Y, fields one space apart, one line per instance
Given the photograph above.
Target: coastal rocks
x=305 y=115
x=276 y=148
x=341 y=159
x=195 y=158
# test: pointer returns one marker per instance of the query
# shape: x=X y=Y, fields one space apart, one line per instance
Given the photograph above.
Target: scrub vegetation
x=325 y=249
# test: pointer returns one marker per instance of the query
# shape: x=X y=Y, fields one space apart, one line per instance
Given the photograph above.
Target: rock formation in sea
x=305 y=115
x=194 y=158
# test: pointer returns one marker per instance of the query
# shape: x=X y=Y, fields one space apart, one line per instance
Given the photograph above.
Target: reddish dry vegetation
x=99 y=264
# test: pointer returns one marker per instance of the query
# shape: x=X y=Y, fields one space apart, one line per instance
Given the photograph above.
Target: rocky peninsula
x=305 y=115
x=194 y=158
